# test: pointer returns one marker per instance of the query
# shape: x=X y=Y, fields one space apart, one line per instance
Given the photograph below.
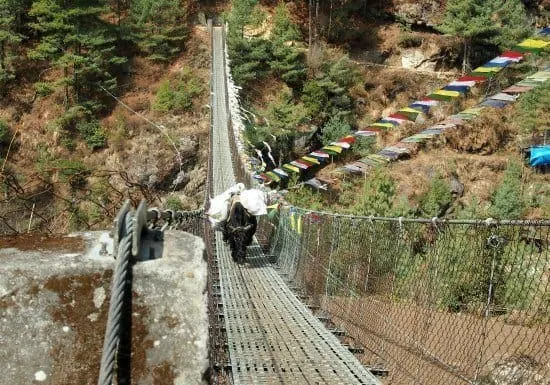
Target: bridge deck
x=273 y=338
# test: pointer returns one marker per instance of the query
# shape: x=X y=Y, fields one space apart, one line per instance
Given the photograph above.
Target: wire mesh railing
x=432 y=302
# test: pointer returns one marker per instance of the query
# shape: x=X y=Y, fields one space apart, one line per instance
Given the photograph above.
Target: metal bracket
x=140 y=219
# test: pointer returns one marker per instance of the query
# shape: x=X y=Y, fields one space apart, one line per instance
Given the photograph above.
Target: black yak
x=239 y=229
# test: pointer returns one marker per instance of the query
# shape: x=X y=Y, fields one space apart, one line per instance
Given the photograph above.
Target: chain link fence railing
x=432 y=302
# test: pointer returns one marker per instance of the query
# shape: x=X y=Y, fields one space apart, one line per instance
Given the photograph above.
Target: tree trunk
x=66 y=75
x=329 y=20
x=2 y=55
x=310 y=6
x=316 y=21
x=466 y=57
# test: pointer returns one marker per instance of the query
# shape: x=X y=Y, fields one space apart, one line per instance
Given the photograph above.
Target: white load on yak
x=253 y=200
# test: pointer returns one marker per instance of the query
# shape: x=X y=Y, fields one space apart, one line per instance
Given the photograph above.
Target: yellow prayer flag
x=534 y=43
x=452 y=94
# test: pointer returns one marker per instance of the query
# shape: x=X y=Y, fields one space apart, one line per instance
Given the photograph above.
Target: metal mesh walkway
x=273 y=338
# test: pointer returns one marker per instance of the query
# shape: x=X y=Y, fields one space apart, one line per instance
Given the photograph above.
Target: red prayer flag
x=477 y=79
x=399 y=116
x=348 y=139
x=513 y=54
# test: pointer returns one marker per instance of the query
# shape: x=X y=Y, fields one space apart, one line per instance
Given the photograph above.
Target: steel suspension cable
x=112 y=330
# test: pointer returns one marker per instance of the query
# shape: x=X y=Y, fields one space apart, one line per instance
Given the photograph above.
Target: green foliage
x=74 y=172
x=511 y=18
x=43 y=89
x=328 y=93
x=507 y=202
x=534 y=109
x=304 y=196
x=250 y=59
x=178 y=96
x=344 y=72
x=314 y=96
x=255 y=58
x=238 y=17
x=173 y=203
x=93 y=134
x=284 y=115
x=377 y=195
x=497 y=22
x=69 y=119
x=409 y=40
x=10 y=12
x=160 y=27
x=283 y=27
x=257 y=17
x=469 y=19
x=473 y=210
x=364 y=145
x=436 y=201
x=289 y=64
x=4 y=133
x=74 y=38
x=334 y=129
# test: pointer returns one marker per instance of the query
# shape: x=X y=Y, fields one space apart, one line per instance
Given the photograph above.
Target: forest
x=86 y=88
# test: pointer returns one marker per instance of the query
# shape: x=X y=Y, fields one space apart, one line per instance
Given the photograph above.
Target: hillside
x=113 y=103
x=310 y=78
x=75 y=141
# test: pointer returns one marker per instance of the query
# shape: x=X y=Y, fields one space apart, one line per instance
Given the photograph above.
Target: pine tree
x=9 y=39
x=378 y=195
x=508 y=201
x=288 y=62
x=470 y=20
x=511 y=18
x=239 y=16
x=75 y=39
x=499 y=22
x=283 y=27
x=160 y=27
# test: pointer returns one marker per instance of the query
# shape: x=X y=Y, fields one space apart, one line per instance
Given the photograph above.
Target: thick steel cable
x=112 y=330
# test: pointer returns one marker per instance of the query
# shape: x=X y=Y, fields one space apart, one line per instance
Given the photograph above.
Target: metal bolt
x=103 y=250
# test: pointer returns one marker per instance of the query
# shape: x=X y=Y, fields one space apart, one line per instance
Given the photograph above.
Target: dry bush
x=491 y=132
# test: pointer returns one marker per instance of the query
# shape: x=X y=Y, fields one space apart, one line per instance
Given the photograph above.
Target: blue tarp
x=540 y=156
x=545 y=31
x=461 y=89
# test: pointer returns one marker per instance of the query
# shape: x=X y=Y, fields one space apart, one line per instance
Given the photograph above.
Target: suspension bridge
x=430 y=301
x=272 y=337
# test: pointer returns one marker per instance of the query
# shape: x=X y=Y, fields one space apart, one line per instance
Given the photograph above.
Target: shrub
x=4 y=132
x=43 y=89
x=72 y=171
x=93 y=134
x=364 y=145
x=178 y=96
x=284 y=115
x=409 y=41
x=377 y=196
x=334 y=129
x=437 y=199
x=249 y=59
x=314 y=96
x=507 y=202
x=173 y=203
